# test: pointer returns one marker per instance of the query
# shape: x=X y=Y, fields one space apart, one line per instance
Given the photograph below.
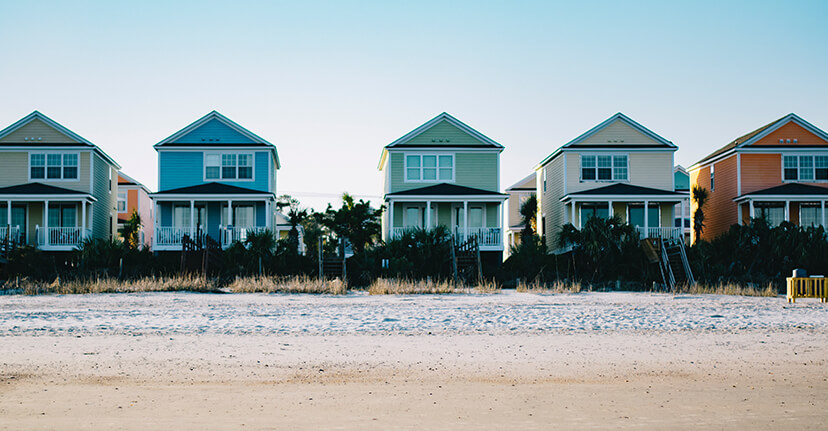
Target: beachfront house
x=681 y=212
x=215 y=178
x=134 y=197
x=56 y=188
x=445 y=173
x=778 y=171
x=618 y=167
x=518 y=194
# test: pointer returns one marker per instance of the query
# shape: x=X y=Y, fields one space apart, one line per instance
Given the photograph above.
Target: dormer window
x=604 y=168
x=228 y=166
x=429 y=167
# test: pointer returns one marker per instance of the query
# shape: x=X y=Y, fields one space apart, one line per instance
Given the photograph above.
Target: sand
x=621 y=360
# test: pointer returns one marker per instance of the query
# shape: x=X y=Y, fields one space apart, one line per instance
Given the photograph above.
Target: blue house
x=215 y=178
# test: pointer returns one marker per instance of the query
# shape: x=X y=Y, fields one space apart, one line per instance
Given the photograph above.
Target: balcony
x=660 y=232
x=60 y=238
x=488 y=237
x=10 y=234
x=231 y=234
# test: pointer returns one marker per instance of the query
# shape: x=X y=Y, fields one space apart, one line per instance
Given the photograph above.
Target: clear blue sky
x=330 y=83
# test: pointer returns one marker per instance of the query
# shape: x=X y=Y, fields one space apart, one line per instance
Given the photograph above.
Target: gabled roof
x=790 y=189
x=37 y=115
x=620 y=189
x=445 y=189
x=248 y=138
x=126 y=180
x=578 y=141
x=404 y=141
x=752 y=137
x=39 y=189
x=212 y=189
x=525 y=185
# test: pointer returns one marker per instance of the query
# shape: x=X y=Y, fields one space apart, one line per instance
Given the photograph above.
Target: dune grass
x=114 y=285
x=729 y=289
x=385 y=286
x=298 y=284
x=557 y=286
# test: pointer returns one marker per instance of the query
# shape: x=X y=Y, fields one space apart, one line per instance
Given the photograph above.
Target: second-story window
x=805 y=168
x=429 y=167
x=122 y=202
x=53 y=166
x=228 y=166
x=604 y=168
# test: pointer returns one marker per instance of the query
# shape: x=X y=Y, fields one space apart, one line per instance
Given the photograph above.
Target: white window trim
x=125 y=201
x=798 y=155
x=438 y=180
x=46 y=166
x=612 y=167
x=220 y=179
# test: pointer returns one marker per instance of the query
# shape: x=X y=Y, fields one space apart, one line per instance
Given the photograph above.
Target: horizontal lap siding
x=14 y=168
x=104 y=215
x=618 y=131
x=760 y=171
x=450 y=135
x=550 y=204
x=186 y=168
x=720 y=211
x=477 y=170
x=654 y=170
x=38 y=129
x=790 y=131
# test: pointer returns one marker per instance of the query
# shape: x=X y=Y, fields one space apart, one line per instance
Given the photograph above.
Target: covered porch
x=48 y=217
x=465 y=211
x=225 y=214
x=800 y=204
x=649 y=210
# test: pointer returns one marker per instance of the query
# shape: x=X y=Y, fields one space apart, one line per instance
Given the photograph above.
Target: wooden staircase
x=671 y=257
x=465 y=259
x=201 y=249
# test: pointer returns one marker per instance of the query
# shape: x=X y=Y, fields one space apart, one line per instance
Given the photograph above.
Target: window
x=712 y=177
x=475 y=217
x=413 y=217
x=122 y=202
x=810 y=214
x=805 y=168
x=604 y=168
x=637 y=215
x=429 y=167
x=62 y=216
x=589 y=211
x=228 y=166
x=53 y=166
x=773 y=213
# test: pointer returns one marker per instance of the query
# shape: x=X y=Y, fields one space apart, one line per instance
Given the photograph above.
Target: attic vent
x=788 y=141
x=796 y=140
x=781 y=141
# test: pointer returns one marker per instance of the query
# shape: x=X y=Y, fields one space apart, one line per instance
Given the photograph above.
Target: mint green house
x=444 y=173
x=56 y=188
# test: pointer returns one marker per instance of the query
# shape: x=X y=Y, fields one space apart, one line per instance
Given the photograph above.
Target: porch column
x=752 y=210
x=465 y=220
x=229 y=212
x=573 y=215
x=681 y=225
x=428 y=215
x=268 y=215
x=46 y=222
x=787 y=210
x=192 y=217
x=646 y=219
x=8 y=218
x=83 y=220
x=822 y=205
x=610 y=212
x=390 y=220
x=739 y=213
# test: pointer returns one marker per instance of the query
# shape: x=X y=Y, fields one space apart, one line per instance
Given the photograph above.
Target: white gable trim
x=628 y=121
x=453 y=121
x=787 y=119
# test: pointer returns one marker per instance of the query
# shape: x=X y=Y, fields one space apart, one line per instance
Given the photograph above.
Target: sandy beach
x=503 y=361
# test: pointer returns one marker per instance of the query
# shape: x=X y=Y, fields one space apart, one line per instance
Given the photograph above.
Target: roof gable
x=214 y=131
x=444 y=131
x=791 y=133
x=526 y=184
x=619 y=130
x=37 y=129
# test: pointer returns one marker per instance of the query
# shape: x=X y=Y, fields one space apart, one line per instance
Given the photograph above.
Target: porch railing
x=11 y=233
x=61 y=236
x=486 y=236
x=230 y=234
x=661 y=232
x=167 y=236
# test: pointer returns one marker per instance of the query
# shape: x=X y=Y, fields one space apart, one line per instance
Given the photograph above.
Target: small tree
x=131 y=229
x=700 y=195
x=529 y=214
x=357 y=221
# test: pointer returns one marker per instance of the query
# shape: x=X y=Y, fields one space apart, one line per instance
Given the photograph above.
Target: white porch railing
x=230 y=234
x=10 y=233
x=168 y=236
x=486 y=236
x=61 y=236
x=661 y=232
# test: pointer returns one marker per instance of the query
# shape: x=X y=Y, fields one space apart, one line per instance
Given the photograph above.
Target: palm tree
x=131 y=229
x=529 y=214
x=700 y=195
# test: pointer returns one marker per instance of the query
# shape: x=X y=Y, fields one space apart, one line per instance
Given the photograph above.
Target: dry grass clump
x=114 y=285
x=385 y=286
x=298 y=284
x=557 y=286
x=728 y=289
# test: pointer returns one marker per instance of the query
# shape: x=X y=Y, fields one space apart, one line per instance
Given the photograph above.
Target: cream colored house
x=618 y=167
x=518 y=194
x=56 y=188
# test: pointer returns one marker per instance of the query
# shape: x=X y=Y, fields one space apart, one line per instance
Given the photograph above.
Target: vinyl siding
x=186 y=168
x=105 y=191
x=790 y=131
x=720 y=212
x=216 y=131
x=550 y=203
x=477 y=170
x=450 y=136
x=619 y=131
x=650 y=169
x=759 y=171
x=37 y=129
x=14 y=168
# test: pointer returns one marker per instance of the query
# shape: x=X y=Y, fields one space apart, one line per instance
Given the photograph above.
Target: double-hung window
x=53 y=166
x=604 y=168
x=805 y=168
x=429 y=167
x=228 y=166
x=122 y=202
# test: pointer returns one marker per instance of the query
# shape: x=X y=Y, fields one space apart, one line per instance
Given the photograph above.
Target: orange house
x=778 y=171
x=134 y=196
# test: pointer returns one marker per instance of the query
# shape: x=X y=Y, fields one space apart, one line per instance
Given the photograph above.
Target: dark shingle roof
x=445 y=189
x=38 y=189
x=212 y=189
x=792 y=189
x=626 y=189
x=740 y=140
